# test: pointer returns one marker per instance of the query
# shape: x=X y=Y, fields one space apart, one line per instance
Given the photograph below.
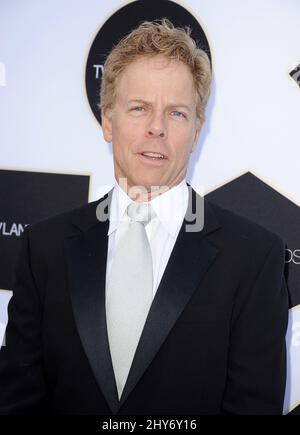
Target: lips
x=152 y=159
x=154 y=155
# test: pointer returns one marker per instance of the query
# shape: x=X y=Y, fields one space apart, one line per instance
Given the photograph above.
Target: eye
x=138 y=109
x=178 y=114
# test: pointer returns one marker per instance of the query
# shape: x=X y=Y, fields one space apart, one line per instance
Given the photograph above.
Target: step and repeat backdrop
x=52 y=153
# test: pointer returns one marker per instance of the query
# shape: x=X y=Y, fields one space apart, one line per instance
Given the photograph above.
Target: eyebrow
x=148 y=103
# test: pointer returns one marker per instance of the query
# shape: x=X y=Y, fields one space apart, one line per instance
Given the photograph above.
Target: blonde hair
x=158 y=37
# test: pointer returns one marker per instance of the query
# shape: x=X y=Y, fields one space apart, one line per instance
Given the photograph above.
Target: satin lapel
x=86 y=256
x=191 y=257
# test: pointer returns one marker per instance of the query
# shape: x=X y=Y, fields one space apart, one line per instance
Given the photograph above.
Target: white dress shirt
x=162 y=231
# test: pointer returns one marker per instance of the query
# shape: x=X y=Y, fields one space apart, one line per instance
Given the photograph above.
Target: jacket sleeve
x=23 y=388
x=256 y=373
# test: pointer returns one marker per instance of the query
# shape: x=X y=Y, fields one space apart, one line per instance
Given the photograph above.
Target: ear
x=106 y=117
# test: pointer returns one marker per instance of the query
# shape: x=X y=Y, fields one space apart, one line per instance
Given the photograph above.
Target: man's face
x=154 y=112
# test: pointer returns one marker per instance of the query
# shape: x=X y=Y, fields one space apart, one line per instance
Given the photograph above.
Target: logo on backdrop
x=293 y=256
x=120 y=24
x=11 y=229
x=250 y=197
x=295 y=74
x=33 y=196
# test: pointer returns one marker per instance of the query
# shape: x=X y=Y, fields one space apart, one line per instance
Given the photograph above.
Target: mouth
x=153 y=155
x=153 y=159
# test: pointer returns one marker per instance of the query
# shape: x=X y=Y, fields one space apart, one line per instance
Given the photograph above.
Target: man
x=140 y=313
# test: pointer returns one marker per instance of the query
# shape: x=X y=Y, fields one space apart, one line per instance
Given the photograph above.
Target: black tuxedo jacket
x=213 y=341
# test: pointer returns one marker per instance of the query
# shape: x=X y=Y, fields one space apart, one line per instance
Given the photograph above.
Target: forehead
x=154 y=76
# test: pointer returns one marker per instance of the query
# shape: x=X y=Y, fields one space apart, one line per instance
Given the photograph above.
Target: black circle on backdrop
x=120 y=24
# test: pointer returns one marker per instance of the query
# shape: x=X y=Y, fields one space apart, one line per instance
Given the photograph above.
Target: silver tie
x=129 y=291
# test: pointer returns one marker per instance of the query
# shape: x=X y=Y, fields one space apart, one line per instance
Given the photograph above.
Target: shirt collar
x=170 y=207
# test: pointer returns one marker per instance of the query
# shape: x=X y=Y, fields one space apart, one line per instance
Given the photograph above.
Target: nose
x=157 y=127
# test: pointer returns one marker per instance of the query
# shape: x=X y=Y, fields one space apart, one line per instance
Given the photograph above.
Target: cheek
x=182 y=143
x=128 y=133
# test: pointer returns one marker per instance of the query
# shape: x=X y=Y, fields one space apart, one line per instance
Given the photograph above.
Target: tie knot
x=140 y=212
